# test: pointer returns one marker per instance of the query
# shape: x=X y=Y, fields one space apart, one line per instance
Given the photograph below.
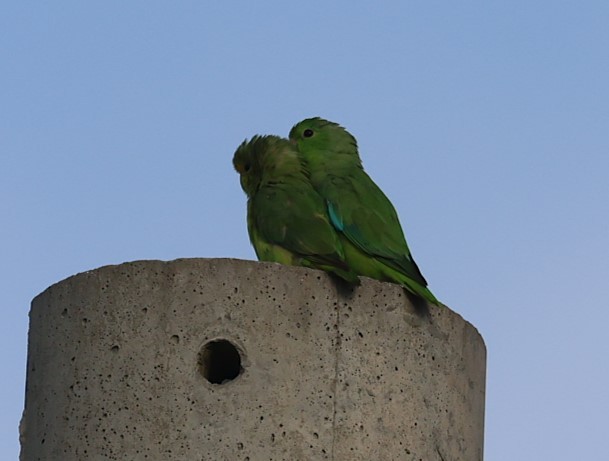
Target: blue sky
x=486 y=123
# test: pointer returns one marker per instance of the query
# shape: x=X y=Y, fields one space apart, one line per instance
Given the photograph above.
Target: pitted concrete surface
x=118 y=357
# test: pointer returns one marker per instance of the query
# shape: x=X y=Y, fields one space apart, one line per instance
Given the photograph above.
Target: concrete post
x=220 y=359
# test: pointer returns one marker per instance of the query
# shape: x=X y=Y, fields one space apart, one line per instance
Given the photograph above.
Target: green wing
x=288 y=223
x=363 y=213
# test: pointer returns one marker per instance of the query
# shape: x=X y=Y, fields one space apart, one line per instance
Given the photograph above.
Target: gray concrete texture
x=118 y=359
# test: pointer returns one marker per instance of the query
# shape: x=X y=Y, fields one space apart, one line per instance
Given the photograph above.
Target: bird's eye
x=307 y=133
x=246 y=167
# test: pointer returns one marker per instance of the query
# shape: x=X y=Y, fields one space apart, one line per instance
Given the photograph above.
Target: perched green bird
x=287 y=220
x=367 y=222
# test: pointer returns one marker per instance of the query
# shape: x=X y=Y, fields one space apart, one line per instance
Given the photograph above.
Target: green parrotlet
x=287 y=219
x=368 y=225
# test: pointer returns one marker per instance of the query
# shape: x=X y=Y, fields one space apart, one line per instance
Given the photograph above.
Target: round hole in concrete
x=219 y=361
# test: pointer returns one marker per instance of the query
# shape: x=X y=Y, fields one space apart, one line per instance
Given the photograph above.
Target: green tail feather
x=420 y=290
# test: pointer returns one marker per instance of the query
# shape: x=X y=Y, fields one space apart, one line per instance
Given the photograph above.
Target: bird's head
x=247 y=163
x=262 y=158
x=319 y=139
